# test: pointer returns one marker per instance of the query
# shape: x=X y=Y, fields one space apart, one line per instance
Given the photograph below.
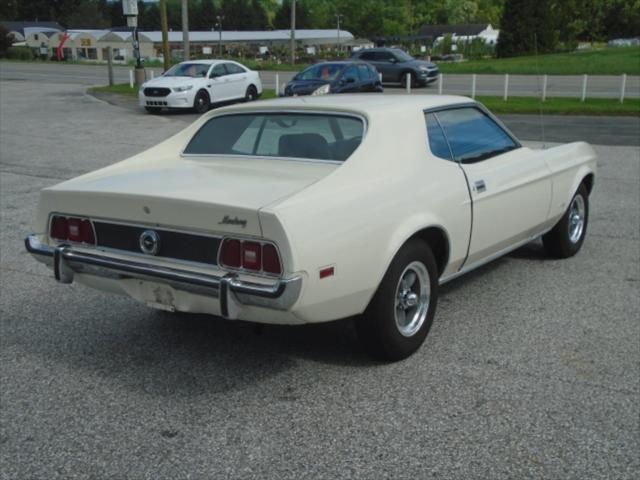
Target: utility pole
x=338 y=17
x=165 y=33
x=219 y=25
x=293 y=32
x=185 y=29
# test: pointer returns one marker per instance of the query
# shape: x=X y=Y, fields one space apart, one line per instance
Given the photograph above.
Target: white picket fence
x=544 y=79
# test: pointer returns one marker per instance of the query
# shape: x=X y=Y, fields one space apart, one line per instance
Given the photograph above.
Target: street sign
x=130 y=8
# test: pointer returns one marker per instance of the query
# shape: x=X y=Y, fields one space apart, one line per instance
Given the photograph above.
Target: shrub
x=19 y=53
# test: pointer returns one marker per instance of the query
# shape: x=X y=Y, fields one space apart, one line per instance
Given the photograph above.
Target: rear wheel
x=251 y=94
x=202 y=103
x=153 y=110
x=408 y=78
x=567 y=237
x=401 y=312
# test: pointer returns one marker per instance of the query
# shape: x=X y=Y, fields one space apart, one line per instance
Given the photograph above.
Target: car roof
x=362 y=103
x=208 y=61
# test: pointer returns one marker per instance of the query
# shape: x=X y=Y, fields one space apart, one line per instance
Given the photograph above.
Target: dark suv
x=395 y=65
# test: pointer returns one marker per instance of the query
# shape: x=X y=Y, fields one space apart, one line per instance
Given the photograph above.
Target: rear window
x=289 y=135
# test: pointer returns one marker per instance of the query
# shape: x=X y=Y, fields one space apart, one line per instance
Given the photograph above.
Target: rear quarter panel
x=569 y=165
x=358 y=217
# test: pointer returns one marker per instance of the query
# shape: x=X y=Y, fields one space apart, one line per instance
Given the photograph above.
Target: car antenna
x=541 y=111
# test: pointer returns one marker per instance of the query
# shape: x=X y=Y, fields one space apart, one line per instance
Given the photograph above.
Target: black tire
x=153 y=110
x=379 y=328
x=251 y=94
x=202 y=102
x=566 y=238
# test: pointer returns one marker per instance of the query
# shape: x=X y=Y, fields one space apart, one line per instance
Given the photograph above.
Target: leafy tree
x=526 y=27
x=87 y=15
x=204 y=17
x=282 y=19
x=6 y=40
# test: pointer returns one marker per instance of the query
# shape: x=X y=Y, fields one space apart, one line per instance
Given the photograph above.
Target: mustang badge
x=149 y=242
x=227 y=220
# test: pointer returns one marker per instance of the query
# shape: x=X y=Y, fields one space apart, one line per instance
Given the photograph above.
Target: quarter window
x=472 y=135
x=437 y=141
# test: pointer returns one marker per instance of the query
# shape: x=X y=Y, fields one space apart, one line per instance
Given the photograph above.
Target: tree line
x=526 y=25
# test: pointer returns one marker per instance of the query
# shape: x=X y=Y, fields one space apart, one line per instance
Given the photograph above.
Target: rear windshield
x=292 y=135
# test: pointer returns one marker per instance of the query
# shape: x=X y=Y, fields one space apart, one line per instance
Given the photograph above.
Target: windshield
x=294 y=135
x=402 y=56
x=323 y=71
x=188 y=70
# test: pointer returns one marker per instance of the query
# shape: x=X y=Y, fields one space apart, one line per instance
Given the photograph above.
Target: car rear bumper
x=231 y=292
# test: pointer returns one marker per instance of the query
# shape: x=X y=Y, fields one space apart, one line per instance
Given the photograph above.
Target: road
x=600 y=130
x=531 y=370
x=520 y=85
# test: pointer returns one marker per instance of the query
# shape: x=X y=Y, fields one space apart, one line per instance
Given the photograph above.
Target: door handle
x=479 y=186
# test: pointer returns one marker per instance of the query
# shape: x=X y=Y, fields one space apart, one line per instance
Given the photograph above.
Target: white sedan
x=198 y=84
x=311 y=209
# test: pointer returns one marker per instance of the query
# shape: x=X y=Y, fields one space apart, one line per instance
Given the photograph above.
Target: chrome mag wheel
x=412 y=298
x=577 y=213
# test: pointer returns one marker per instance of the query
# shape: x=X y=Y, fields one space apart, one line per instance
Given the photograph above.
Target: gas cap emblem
x=149 y=242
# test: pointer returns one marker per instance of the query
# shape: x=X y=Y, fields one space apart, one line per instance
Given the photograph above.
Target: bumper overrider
x=232 y=292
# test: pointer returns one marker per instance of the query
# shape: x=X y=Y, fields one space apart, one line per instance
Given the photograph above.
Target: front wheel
x=400 y=315
x=566 y=238
x=202 y=103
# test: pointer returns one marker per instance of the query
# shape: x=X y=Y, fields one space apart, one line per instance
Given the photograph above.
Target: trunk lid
x=213 y=194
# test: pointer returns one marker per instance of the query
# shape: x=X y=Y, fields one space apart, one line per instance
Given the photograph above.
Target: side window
x=368 y=56
x=218 y=71
x=472 y=135
x=383 y=57
x=233 y=68
x=350 y=73
x=437 y=141
x=364 y=72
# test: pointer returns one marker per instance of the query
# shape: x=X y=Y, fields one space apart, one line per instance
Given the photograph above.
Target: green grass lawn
x=553 y=105
x=610 y=61
x=563 y=106
x=606 y=61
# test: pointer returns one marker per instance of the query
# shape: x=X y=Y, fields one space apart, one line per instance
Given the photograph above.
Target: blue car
x=335 y=77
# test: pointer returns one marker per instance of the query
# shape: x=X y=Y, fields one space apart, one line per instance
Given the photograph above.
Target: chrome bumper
x=231 y=291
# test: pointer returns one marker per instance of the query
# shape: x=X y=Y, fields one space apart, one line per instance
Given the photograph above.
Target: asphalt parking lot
x=531 y=370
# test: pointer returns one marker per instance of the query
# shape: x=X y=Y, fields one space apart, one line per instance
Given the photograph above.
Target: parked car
x=335 y=77
x=396 y=65
x=198 y=84
x=310 y=209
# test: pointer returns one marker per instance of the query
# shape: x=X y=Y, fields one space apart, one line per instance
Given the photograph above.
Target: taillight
x=271 y=259
x=73 y=229
x=250 y=255
x=230 y=253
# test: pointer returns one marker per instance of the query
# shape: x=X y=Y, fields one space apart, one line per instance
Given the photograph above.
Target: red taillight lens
x=230 y=254
x=271 y=259
x=73 y=229
x=59 y=228
x=251 y=256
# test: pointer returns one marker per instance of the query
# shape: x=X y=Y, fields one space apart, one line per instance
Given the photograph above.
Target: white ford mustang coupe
x=312 y=209
x=198 y=84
